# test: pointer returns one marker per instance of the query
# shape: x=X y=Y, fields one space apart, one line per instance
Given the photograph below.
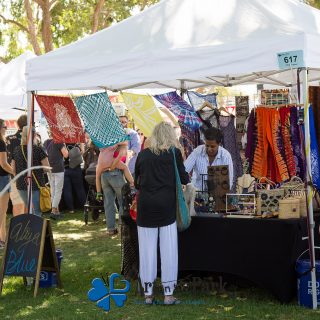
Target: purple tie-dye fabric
x=180 y=108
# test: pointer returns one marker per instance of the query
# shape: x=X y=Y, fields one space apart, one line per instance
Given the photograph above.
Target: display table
x=263 y=251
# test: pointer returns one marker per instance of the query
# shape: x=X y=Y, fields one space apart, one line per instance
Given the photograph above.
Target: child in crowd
x=111 y=158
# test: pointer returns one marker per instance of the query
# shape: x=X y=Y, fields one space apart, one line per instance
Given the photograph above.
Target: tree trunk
x=46 y=26
x=32 y=33
x=95 y=19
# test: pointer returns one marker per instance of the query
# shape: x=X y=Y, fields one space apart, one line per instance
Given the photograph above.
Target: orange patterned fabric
x=285 y=131
x=268 y=158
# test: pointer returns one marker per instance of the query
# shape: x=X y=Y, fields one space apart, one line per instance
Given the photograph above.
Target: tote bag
x=183 y=217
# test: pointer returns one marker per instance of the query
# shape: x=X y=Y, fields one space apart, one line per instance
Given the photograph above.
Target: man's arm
x=191 y=161
x=64 y=151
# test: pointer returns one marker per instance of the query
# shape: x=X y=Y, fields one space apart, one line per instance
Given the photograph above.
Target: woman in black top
x=155 y=179
x=5 y=171
x=19 y=163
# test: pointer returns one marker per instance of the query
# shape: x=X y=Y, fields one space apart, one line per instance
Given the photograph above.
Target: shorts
x=4 y=180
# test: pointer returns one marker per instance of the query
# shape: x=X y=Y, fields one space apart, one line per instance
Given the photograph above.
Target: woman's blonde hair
x=163 y=137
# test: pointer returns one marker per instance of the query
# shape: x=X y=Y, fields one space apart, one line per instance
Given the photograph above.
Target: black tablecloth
x=263 y=251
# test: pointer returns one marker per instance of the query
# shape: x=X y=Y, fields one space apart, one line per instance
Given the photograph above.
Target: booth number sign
x=290 y=59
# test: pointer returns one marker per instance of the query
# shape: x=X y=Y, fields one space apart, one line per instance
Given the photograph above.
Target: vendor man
x=208 y=154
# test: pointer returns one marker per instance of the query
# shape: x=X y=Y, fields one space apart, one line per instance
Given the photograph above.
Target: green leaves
x=70 y=21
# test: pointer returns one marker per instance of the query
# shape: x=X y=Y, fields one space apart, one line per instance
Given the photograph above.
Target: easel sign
x=29 y=249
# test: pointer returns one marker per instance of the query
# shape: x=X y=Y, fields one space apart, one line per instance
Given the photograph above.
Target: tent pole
x=30 y=101
x=311 y=225
x=182 y=88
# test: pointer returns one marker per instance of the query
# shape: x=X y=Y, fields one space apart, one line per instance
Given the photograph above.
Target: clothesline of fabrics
x=275 y=144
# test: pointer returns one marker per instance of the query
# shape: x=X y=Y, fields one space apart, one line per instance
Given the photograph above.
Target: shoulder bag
x=45 y=195
x=183 y=217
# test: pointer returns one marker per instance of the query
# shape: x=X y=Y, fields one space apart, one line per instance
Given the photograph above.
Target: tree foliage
x=42 y=25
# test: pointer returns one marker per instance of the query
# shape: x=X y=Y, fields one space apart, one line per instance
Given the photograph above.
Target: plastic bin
x=49 y=279
x=304 y=281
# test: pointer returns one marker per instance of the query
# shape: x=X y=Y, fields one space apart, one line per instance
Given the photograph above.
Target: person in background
x=90 y=155
x=156 y=217
x=56 y=154
x=143 y=138
x=208 y=154
x=5 y=171
x=73 y=181
x=134 y=145
x=12 y=142
x=19 y=163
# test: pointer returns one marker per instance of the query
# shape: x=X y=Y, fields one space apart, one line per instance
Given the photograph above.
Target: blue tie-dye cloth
x=197 y=99
x=100 y=120
x=180 y=108
x=314 y=152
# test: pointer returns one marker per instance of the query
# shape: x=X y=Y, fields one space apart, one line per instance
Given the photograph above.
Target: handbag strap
x=175 y=166
x=34 y=177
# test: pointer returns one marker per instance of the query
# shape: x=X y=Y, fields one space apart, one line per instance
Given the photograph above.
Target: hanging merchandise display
x=180 y=108
x=62 y=118
x=143 y=111
x=242 y=113
x=314 y=99
x=100 y=120
x=297 y=143
x=230 y=143
x=315 y=159
x=274 y=97
x=197 y=99
x=188 y=120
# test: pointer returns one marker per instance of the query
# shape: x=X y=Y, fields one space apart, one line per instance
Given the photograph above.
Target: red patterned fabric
x=63 y=119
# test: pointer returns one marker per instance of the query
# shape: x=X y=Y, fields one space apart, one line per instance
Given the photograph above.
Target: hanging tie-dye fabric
x=100 y=120
x=143 y=111
x=180 y=108
x=314 y=151
x=197 y=99
x=62 y=118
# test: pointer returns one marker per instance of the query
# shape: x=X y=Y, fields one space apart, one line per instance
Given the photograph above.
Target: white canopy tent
x=13 y=91
x=200 y=42
x=187 y=44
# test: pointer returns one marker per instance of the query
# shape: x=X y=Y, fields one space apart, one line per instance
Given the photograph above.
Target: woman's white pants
x=148 y=243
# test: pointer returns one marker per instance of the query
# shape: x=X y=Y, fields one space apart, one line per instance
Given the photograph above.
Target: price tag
x=291 y=59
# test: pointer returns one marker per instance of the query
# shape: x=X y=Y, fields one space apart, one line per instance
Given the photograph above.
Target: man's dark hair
x=124 y=116
x=22 y=121
x=213 y=134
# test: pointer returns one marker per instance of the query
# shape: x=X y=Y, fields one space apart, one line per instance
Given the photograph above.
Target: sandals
x=148 y=300
x=171 y=300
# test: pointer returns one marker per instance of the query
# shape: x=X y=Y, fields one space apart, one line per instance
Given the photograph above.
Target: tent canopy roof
x=201 y=42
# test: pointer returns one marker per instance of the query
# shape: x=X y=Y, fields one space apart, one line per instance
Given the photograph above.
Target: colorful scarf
x=100 y=120
x=314 y=151
x=143 y=111
x=63 y=119
x=180 y=108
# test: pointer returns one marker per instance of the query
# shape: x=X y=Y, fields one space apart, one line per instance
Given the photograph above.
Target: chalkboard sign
x=29 y=249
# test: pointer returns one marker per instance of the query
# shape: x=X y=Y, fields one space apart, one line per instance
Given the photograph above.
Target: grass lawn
x=88 y=252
